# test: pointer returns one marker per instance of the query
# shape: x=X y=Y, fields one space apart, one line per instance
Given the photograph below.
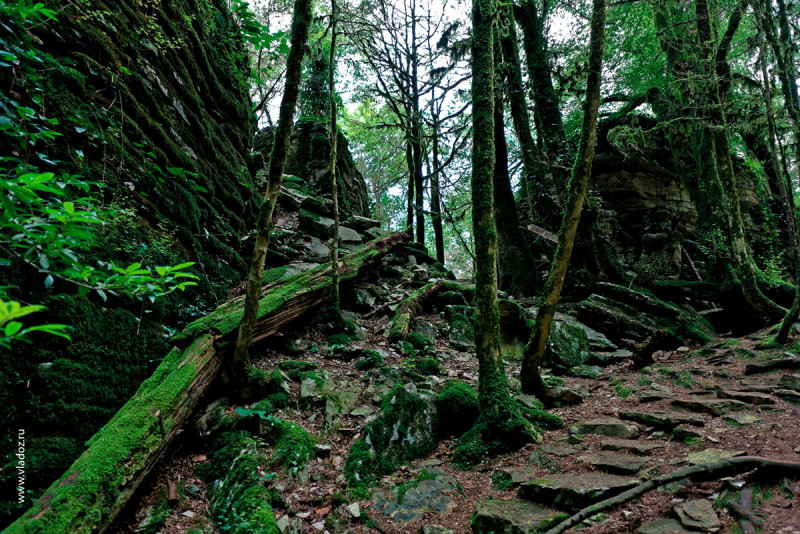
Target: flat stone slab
x=662 y=419
x=561 y=451
x=710 y=406
x=573 y=492
x=611 y=427
x=712 y=455
x=513 y=517
x=519 y=475
x=617 y=462
x=788 y=394
x=743 y=418
x=653 y=395
x=698 y=514
x=421 y=497
x=627 y=445
x=664 y=526
x=750 y=397
x=790 y=382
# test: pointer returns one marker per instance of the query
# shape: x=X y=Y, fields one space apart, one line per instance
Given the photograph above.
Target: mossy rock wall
x=152 y=102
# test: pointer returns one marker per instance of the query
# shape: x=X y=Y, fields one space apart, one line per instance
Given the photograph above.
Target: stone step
x=662 y=419
x=790 y=382
x=616 y=462
x=611 y=427
x=630 y=446
x=710 y=405
x=712 y=455
x=653 y=395
x=698 y=514
x=750 y=397
x=573 y=492
x=513 y=517
x=743 y=418
x=664 y=526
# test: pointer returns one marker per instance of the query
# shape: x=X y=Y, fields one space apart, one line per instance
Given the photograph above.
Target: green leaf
x=12 y=328
x=48 y=281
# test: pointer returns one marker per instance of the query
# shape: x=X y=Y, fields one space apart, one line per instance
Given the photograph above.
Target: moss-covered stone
x=404 y=429
x=427 y=366
x=457 y=406
x=369 y=359
x=567 y=346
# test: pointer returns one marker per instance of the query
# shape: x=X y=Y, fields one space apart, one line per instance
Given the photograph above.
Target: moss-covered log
x=411 y=306
x=90 y=494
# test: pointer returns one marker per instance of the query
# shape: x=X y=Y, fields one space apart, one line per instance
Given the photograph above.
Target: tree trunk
x=95 y=489
x=411 y=200
x=719 y=81
x=517 y=102
x=500 y=423
x=783 y=50
x=545 y=99
x=581 y=171
x=514 y=260
x=335 y=300
x=409 y=308
x=294 y=64
x=436 y=201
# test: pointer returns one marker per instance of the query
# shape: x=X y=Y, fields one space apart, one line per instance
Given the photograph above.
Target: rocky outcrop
x=309 y=157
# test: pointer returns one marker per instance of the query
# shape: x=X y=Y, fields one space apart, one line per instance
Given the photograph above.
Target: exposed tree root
x=712 y=470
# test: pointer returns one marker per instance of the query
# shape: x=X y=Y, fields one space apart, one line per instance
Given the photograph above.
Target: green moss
x=275 y=274
x=427 y=366
x=368 y=360
x=419 y=341
x=457 y=406
x=407 y=348
x=293 y=445
x=501 y=480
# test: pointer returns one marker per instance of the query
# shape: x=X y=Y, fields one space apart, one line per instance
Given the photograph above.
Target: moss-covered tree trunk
x=517 y=103
x=500 y=424
x=581 y=171
x=411 y=182
x=718 y=84
x=548 y=111
x=515 y=265
x=294 y=64
x=335 y=299
x=783 y=49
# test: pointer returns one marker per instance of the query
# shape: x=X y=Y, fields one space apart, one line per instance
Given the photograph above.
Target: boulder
x=567 y=346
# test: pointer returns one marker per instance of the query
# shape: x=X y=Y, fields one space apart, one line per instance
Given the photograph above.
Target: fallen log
x=709 y=471
x=91 y=493
x=409 y=308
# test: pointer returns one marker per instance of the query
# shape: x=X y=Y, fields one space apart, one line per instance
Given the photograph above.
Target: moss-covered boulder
x=405 y=428
x=567 y=347
x=457 y=406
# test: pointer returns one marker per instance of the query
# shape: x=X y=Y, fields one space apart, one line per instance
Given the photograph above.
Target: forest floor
x=760 y=423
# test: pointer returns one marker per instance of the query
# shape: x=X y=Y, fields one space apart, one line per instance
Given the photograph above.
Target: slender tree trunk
x=517 y=102
x=581 y=171
x=335 y=299
x=514 y=259
x=500 y=423
x=436 y=202
x=410 y=165
x=294 y=64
